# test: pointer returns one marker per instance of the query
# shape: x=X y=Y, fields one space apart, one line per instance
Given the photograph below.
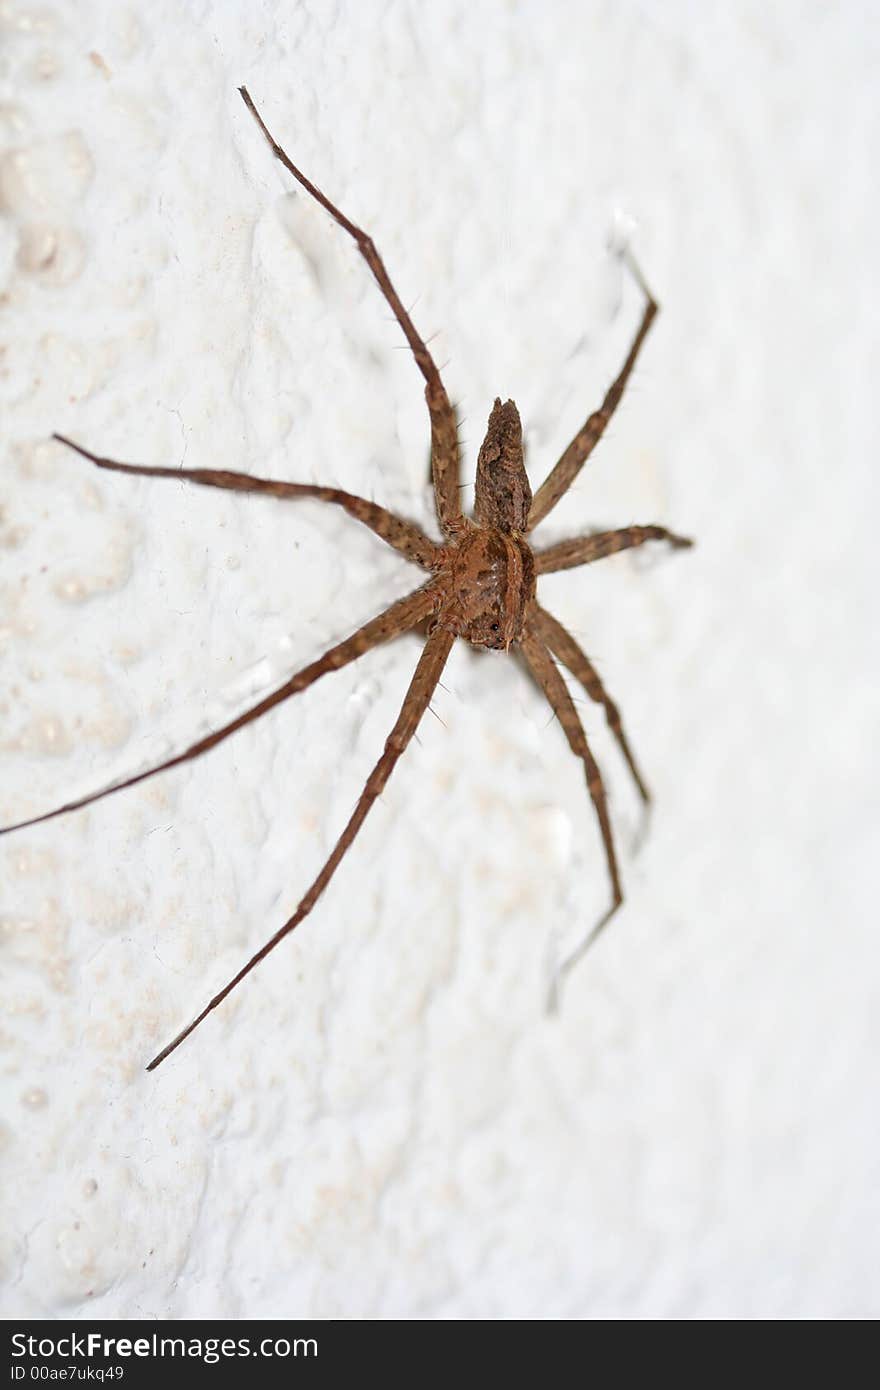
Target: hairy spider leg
x=445 y=453
x=416 y=701
x=583 y=550
x=572 y=460
x=545 y=671
x=566 y=649
x=404 y=536
x=407 y=613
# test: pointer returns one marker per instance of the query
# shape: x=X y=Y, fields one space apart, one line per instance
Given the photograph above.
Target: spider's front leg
x=418 y=697
x=566 y=649
x=546 y=673
x=402 y=616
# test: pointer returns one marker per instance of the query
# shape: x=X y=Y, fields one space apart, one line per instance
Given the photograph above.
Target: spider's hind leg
x=403 y=536
x=445 y=452
x=563 y=473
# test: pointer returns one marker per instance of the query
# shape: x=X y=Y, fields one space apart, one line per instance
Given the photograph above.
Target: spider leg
x=563 y=474
x=566 y=649
x=399 y=618
x=404 y=536
x=583 y=550
x=547 y=674
x=445 y=462
x=418 y=696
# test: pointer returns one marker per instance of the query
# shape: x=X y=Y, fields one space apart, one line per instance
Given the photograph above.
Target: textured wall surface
x=382 y=1121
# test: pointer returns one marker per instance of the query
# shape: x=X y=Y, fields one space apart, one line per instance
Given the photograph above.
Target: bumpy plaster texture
x=383 y=1122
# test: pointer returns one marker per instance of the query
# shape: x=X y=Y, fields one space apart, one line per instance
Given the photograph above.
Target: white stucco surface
x=383 y=1122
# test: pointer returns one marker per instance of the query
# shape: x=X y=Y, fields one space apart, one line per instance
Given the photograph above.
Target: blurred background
x=383 y=1121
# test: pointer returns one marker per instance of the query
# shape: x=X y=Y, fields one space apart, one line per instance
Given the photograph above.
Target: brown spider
x=481 y=584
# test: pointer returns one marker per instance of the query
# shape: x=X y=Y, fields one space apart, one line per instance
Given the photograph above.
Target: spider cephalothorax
x=481 y=586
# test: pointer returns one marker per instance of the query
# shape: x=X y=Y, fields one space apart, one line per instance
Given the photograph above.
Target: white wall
x=382 y=1122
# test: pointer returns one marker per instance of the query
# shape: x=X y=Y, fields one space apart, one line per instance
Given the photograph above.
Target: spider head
x=493 y=580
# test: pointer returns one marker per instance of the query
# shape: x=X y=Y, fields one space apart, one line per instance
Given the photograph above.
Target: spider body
x=487 y=583
x=482 y=585
x=488 y=569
